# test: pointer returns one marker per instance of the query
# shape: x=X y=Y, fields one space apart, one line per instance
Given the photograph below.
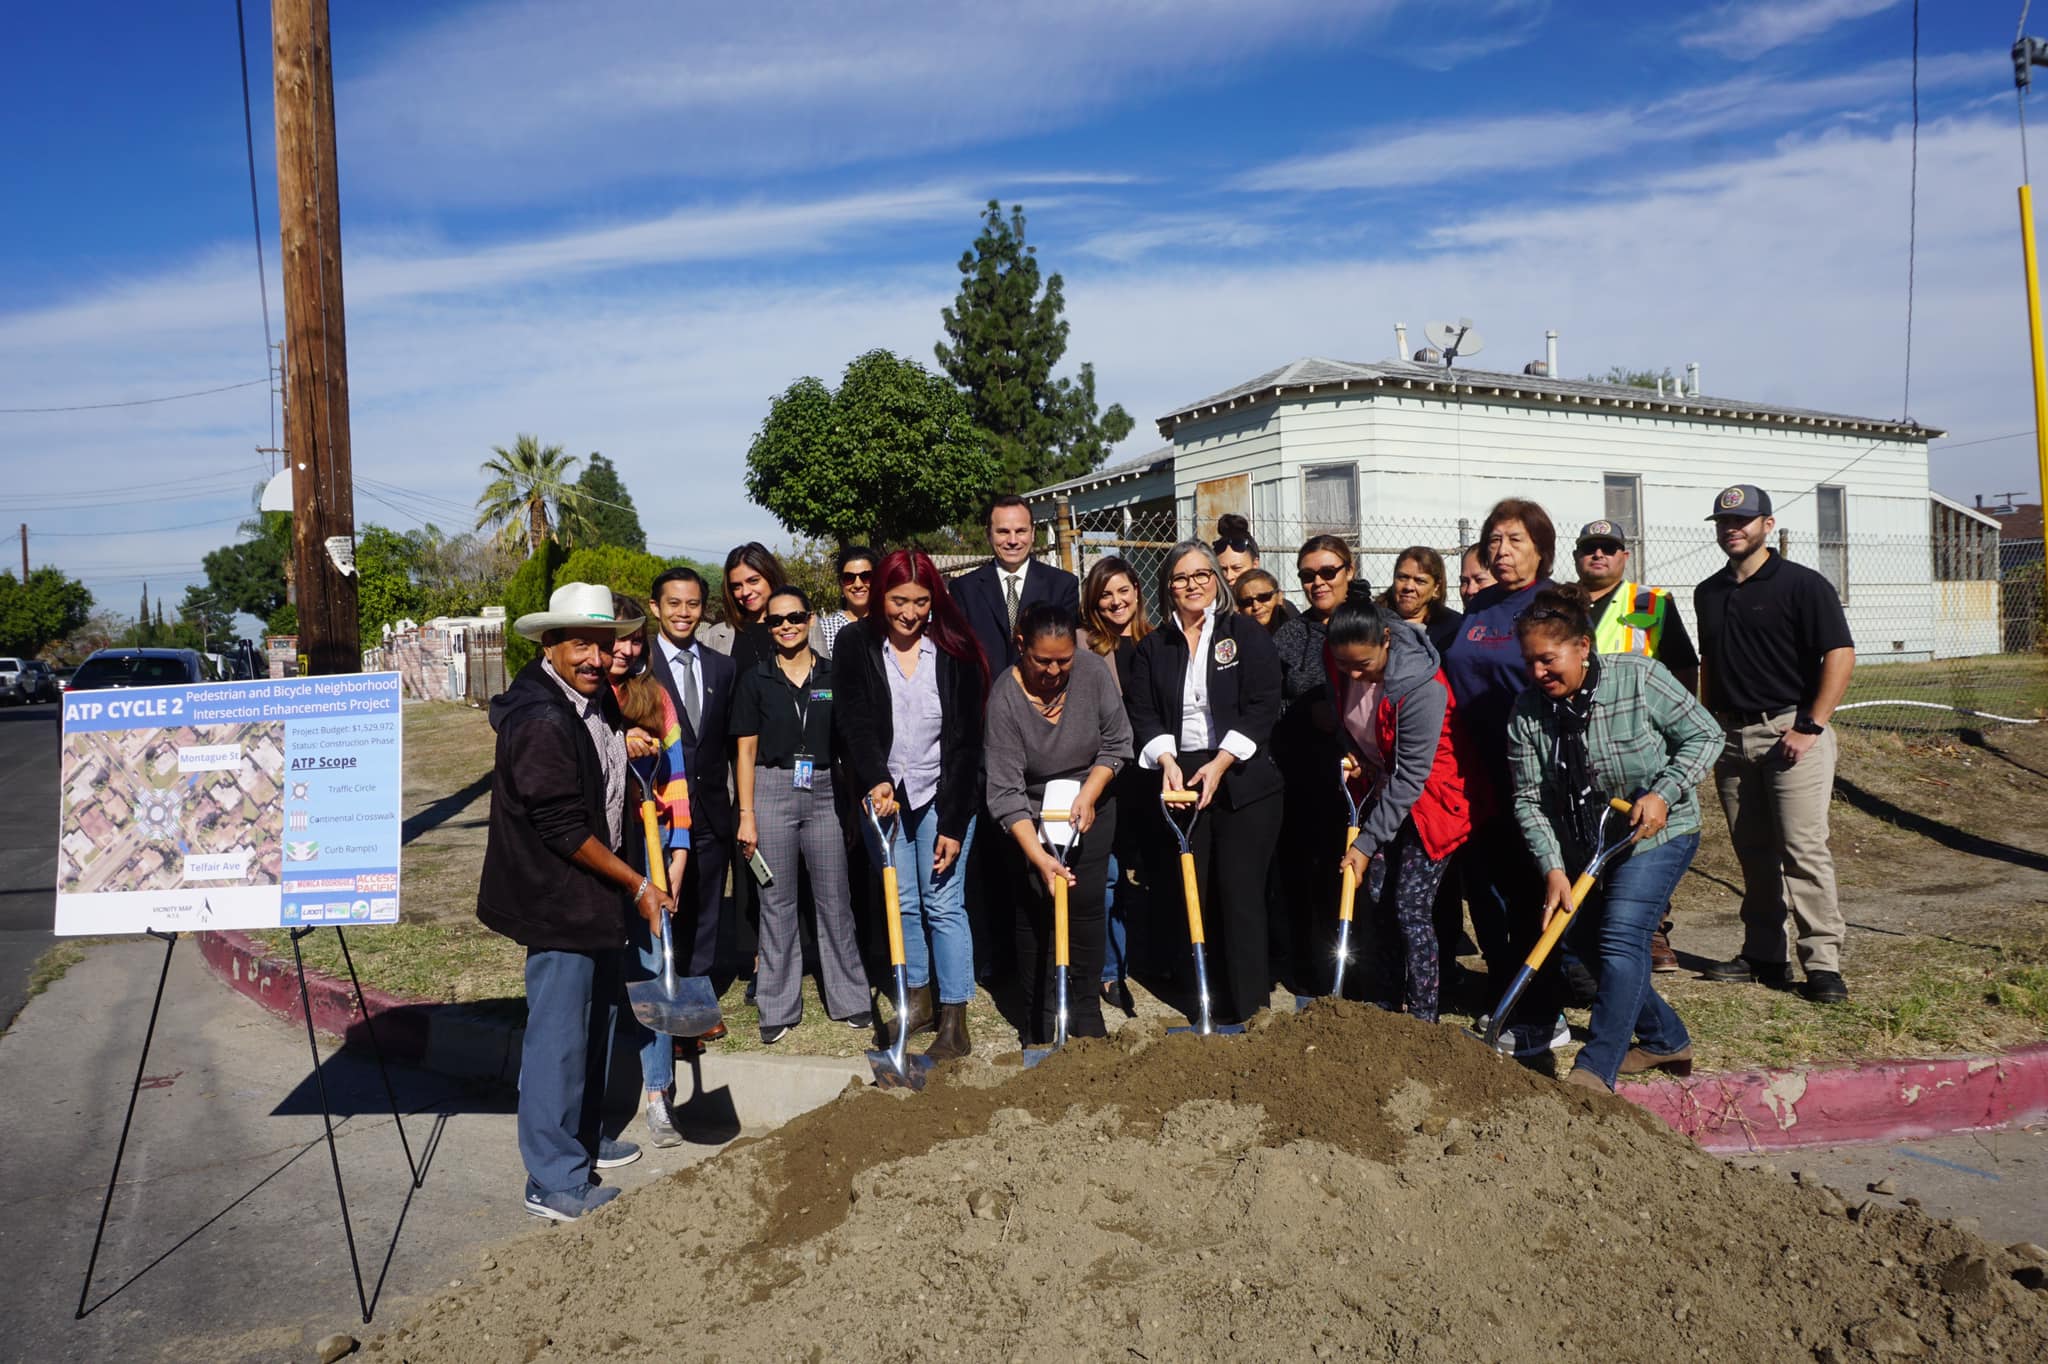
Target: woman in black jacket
x=911 y=685
x=1204 y=695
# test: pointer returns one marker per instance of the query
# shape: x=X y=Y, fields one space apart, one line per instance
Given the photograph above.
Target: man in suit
x=993 y=594
x=992 y=597
x=700 y=683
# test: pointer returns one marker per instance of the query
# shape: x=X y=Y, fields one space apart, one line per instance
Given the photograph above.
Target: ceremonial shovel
x=1055 y=826
x=678 y=1007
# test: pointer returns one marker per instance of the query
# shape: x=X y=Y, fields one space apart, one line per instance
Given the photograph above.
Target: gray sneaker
x=567 y=1207
x=661 y=1122
x=612 y=1154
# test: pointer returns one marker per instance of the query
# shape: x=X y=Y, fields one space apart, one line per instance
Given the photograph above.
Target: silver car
x=16 y=682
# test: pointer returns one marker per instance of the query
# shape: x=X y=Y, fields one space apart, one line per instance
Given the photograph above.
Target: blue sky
x=625 y=227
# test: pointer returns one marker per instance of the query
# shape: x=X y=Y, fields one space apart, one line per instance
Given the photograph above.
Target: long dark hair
x=947 y=625
x=1102 y=636
x=762 y=560
x=1359 y=619
x=1562 y=610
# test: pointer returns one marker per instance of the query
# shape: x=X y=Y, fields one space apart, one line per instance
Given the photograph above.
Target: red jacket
x=1411 y=694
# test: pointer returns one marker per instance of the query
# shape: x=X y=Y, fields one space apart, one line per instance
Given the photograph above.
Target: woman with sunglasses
x=1590 y=727
x=1236 y=552
x=856 y=566
x=1259 y=596
x=912 y=687
x=1115 y=622
x=782 y=720
x=1204 y=694
x=1307 y=748
x=1420 y=596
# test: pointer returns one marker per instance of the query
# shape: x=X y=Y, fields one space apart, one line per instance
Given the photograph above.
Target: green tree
x=202 y=621
x=892 y=454
x=387 y=585
x=531 y=495
x=608 y=507
x=526 y=593
x=1635 y=378
x=1007 y=338
x=631 y=571
x=40 y=610
x=249 y=575
x=283 y=621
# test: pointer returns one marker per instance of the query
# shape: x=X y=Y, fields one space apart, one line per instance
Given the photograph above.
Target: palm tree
x=531 y=494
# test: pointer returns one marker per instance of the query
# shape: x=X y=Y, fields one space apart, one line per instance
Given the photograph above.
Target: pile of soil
x=1343 y=1184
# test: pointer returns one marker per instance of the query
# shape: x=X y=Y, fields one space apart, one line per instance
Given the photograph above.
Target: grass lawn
x=1965 y=971
x=2014 y=685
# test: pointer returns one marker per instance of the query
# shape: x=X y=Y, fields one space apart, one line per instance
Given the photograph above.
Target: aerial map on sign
x=156 y=809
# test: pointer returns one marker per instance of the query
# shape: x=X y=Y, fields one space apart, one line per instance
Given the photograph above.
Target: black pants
x=1311 y=849
x=700 y=901
x=1036 y=970
x=1505 y=893
x=1232 y=850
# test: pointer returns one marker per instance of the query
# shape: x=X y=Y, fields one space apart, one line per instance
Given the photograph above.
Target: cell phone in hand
x=758 y=865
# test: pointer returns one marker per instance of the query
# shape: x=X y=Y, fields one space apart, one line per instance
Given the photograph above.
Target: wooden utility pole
x=24 y=552
x=316 y=350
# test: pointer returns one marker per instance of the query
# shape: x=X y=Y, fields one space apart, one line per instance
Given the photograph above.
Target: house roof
x=1123 y=471
x=1314 y=374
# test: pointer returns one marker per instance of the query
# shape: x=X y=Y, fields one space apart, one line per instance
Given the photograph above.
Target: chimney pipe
x=1401 y=339
x=1660 y=385
x=1692 y=375
x=1550 y=352
x=1980 y=502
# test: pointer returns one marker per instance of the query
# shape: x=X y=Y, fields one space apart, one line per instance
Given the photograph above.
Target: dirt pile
x=1347 y=1185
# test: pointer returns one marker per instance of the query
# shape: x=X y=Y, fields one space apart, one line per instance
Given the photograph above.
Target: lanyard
x=800 y=702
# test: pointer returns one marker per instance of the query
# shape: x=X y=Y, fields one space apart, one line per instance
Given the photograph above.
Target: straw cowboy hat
x=576 y=606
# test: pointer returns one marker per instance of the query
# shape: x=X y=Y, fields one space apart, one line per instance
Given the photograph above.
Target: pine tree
x=607 y=507
x=143 y=637
x=1007 y=338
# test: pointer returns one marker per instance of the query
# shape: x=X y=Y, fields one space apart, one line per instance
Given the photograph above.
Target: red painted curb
x=1870 y=1101
x=245 y=966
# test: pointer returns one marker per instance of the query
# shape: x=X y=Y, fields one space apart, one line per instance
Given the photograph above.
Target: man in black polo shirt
x=1777 y=657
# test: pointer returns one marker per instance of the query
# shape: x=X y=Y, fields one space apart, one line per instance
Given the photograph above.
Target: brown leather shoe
x=1640 y=1059
x=1663 y=961
x=920 y=1017
x=1581 y=1078
x=952 y=1040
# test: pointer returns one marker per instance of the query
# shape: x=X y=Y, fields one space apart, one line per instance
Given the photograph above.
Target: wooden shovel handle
x=1193 y=896
x=657 y=865
x=1180 y=797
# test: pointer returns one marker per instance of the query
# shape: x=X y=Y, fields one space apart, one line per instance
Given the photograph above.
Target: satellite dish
x=1454 y=338
x=277 y=493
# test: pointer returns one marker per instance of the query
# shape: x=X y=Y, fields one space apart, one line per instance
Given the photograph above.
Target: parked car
x=140 y=668
x=41 y=680
x=14 y=681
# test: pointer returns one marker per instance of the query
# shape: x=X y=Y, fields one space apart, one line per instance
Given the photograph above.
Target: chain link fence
x=1951 y=627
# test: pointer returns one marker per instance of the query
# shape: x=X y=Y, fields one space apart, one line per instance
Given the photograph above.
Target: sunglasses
x=1326 y=574
x=855 y=577
x=793 y=618
x=1251 y=599
x=1238 y=546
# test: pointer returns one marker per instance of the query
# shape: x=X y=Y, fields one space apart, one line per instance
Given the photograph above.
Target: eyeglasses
x=1251 y=599
x=1326 y=574
x=793 y=618
x=855 y=577
x=1181 y=582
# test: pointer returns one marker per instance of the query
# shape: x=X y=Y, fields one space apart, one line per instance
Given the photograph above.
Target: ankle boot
x=952 y=1040
x=920 y=1017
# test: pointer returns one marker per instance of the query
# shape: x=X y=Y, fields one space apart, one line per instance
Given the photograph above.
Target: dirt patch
x=1340 y=1185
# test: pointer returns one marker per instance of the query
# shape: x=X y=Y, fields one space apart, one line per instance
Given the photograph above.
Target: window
x=1832 y=505
x=1625 y=509
x=1329 y=500
x=1266 y=506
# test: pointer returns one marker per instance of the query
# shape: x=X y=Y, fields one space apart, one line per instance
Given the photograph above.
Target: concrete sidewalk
x=225 y=1241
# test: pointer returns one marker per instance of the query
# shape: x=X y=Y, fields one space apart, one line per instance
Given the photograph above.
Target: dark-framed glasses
x=850 y=578
x=1251 y=599
x=775 y=622
x=1182 y=582
x=1326 y=574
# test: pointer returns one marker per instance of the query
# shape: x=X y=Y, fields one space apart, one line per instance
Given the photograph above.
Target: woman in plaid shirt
x=1592 y=727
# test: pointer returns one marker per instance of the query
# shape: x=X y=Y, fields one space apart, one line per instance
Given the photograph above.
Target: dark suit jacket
x=864 y=724
x=980 y=595
x=1244 y=695
x=704 y=745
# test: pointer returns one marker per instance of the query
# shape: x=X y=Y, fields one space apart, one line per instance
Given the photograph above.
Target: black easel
x=170 y=941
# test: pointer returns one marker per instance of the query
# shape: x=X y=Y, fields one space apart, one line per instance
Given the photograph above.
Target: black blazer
x=980 y=595
x=1244 y=695
x=704 y=745
x=864 y=724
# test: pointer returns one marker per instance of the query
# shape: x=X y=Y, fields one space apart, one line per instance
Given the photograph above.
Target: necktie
x=1010 y=592
x=693 y=704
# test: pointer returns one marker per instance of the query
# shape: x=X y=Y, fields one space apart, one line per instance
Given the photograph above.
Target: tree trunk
x=536 y=525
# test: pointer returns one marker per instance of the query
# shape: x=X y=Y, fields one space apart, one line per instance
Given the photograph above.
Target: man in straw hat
x=554 y=882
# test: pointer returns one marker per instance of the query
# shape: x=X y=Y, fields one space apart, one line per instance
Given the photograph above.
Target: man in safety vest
x=1632 y=618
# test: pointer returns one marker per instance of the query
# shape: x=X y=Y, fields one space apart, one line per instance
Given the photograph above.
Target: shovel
x=1060 y=835
x=677 y=1007
x=1169 y=802
x=1347 y=897
x=895 y=1068
x=1608 y=846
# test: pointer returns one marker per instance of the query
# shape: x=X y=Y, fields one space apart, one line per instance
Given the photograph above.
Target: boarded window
x=1625 y=509
x=1329 y=499
x=1832 y=505
x=1218 y=497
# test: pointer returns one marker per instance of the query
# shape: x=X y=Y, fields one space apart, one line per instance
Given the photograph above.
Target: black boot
x=920 y=1017
x=952 y=1040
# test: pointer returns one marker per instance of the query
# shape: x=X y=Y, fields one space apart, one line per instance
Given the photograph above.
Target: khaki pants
x=1778 y=822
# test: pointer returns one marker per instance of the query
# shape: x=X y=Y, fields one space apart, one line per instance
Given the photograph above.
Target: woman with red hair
x=912 y=682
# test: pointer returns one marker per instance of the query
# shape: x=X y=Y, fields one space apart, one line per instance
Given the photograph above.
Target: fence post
x=1784 y=543
x=1063 y=532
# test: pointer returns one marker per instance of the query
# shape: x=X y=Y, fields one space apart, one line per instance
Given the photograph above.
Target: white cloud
x=1143 y=235
x=1754 y=27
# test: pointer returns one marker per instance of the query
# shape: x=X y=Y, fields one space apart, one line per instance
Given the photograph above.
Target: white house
x=1405 y=452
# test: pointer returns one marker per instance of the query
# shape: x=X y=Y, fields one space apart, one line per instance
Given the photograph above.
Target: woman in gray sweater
x=1057 y=715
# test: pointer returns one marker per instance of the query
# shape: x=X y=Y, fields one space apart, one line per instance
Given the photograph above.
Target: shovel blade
x=1033 y=1055
x=1214 y=1030
x=691 y=1011
x=911 y=1074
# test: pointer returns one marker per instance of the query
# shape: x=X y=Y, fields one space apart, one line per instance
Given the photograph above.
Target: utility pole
x=316 y=350
x=24 y=553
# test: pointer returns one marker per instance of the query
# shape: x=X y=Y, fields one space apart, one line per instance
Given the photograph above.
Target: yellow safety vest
x=1634 y=623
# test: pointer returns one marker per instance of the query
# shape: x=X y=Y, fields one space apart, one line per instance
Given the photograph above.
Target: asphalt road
x=28 y=845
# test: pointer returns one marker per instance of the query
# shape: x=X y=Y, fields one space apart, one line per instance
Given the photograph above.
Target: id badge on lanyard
x=801 y=772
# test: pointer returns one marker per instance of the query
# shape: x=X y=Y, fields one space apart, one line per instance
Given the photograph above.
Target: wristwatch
x=1806 y=724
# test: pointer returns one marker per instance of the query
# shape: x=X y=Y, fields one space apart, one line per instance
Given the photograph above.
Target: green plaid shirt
x=1647 y=733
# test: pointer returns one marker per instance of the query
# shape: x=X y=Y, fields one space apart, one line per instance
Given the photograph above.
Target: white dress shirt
x=1006 y=576
x=1197 y=720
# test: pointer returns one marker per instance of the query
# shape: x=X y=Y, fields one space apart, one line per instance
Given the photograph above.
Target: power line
x=255 y=212
x=135 y=402
x=140 y=530
x=1946 y=445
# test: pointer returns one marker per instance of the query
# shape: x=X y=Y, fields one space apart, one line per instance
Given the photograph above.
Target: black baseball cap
x=1599 y=532
x=1744 y=500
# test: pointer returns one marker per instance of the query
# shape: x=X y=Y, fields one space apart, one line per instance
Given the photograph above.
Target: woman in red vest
x=1400 y=723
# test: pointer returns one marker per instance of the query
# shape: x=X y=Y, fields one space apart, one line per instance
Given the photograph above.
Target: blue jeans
x=934 y=907
x=1115 y=931
x=571 y=1008
x=657 y=1050
x=1614 y=930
